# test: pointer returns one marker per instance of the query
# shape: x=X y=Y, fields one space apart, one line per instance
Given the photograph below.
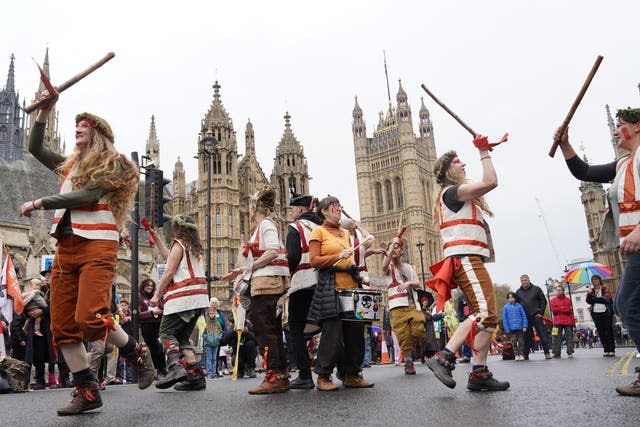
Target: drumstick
x=366 y=239
x=574 y=107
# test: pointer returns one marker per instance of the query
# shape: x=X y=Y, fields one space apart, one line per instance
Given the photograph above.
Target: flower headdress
x=629 y=115
x=445 y=162
x=179 y=220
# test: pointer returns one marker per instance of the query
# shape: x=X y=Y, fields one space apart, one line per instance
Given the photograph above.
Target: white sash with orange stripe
x=304 y=275
x=95 y=222
x=463 y=232
x=629 y=194
x=188 y=290
x=396 y=297
x=277 y=267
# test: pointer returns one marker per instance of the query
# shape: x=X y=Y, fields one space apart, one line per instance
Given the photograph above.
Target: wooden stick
x=366 y=239
x=73 y=80
x=448 y=110
x=574 y=107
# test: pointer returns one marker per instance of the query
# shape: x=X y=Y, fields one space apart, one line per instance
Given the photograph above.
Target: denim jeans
x=211 y=361
x=535 y=322
x=628 y=297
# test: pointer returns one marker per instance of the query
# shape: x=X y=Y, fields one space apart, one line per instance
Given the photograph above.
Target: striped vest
x=304 y=275
x=95 y=222
x=396 y=297
x=629 y=194
x=188 y=289
x=463 y=232
x=277 y=267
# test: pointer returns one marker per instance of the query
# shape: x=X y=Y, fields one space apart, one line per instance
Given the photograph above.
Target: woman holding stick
x=342 y=342
x=459 y=214
x=268 y=271
x=96 y=192
x=621 y=224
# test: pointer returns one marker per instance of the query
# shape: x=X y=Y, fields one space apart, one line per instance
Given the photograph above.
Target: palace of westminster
x=394 y=180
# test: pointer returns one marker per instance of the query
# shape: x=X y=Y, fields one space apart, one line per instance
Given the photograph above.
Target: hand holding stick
x=574 y=107
x=75 y=79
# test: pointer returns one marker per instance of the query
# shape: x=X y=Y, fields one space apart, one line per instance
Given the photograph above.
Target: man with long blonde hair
x=459 y=214
x=97 y=186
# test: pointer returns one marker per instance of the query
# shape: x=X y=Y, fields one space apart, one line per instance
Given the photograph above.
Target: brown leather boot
x=274 y=382
x=324 y=383
x=355 y=381
x=85 y=398
x=143 y=365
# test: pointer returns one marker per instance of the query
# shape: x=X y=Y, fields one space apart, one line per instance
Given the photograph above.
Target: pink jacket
x=562 y=312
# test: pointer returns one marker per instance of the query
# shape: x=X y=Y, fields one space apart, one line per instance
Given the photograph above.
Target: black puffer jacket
x=324 y=304
x=532 y=300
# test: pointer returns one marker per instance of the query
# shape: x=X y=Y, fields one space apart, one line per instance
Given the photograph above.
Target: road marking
x=625 y=367
x=615 y=365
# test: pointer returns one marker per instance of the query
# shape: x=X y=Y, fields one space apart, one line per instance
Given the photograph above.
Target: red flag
x=13 y=286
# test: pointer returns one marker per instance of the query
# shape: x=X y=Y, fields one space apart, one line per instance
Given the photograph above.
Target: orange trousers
x=81 y=278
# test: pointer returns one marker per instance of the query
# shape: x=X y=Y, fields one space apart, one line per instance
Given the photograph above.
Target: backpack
x=15 y=371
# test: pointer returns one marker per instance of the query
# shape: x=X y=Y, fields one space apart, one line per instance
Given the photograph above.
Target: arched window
x=218 y=224
x=3 y=133
x=292 y=184
x=399 y=195
x=217 y=165
x=229 y=164
x=389 y=193
x=379 y=202
x=219 y=262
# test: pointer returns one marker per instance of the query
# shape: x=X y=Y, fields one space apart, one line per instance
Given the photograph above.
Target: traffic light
x=155 y=198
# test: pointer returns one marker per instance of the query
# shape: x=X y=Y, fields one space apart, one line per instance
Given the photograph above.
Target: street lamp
x=420 y=246
x=209 y=143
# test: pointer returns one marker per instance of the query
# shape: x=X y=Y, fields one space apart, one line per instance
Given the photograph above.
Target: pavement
x=557 y=392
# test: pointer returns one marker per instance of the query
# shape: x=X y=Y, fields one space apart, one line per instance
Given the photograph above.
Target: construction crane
x=549 y=236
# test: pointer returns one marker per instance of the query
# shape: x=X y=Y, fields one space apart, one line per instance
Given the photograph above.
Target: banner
x=12 y=285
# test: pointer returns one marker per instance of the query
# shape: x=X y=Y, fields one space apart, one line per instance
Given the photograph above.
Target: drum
x=359 y=305
x=311 y=327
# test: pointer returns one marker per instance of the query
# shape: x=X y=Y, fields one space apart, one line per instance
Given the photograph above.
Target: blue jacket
x=513 y=317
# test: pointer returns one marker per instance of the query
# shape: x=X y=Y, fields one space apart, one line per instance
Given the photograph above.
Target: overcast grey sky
x=501 y=65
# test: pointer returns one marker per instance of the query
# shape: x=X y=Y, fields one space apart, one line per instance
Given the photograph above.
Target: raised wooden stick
x=574 y=107
x=448 y=110
x=73 y=80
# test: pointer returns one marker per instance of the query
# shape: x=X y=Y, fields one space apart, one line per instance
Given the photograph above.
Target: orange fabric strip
x=465 y=242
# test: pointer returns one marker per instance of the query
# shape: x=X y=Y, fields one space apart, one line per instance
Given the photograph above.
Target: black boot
x=441 y=365
x=195 y=380
x=304 y=380
x=176 y=373
x=483 y=380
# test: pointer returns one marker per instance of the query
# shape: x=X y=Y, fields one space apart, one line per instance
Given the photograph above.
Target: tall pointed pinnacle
x=11 y=76
x=216 y=91
x=287 y=120
x=153 y=144
x=249 y=140
x=423 y=108
x=288 y=138
x=357 y=111
x=401 y=95
x=612 y=126
x=45 y=68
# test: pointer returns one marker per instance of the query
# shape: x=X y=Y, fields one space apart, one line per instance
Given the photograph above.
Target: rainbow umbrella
x=583 y=272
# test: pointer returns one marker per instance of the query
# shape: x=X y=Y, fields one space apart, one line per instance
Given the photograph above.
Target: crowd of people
x=74 y=321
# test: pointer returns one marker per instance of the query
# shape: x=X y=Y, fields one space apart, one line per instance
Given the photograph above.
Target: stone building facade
x=233 y=182
x=395 y=181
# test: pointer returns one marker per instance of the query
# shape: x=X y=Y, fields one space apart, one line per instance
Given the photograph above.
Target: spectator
x=563 y=323
x=248 y=350
x=514 y=321
x=601 y=309
x=212 y=336
x=534 y=303
x=150 y=318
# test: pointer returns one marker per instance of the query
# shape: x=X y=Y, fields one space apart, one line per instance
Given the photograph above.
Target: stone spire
x=249 y=140
x=619 y=152
x=404 y=111
x=425 y=121
x=153 y=144
x=358 y=126
x=45 y=68
x=10 y=87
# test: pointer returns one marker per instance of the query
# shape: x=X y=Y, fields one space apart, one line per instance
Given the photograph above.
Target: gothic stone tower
x=251 y=178
x=152 y=148
x=290 y=169
x=395 y=179
x=225 y=194
x=11 y=120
